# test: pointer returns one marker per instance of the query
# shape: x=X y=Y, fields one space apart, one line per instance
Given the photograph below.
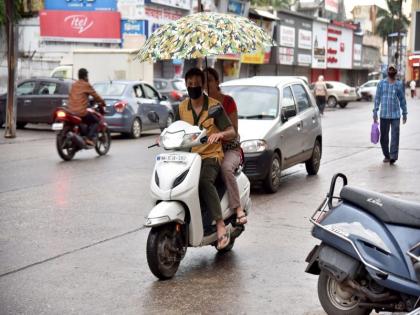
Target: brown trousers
x=230 y=163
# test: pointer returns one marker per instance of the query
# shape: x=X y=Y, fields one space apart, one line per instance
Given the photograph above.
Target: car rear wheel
x=169 y=120
x=312 y=165
x=135 y=132
x=272 y=181
x=332 y=101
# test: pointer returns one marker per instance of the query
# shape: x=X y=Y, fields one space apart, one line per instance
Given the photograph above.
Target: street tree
x=9 y=15
x=392 y=21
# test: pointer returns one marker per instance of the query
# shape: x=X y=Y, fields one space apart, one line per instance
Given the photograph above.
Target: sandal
x=221 y=238
x=241 y=220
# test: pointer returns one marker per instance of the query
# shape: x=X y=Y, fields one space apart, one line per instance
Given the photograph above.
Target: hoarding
x=319 y=48
x=305 y=39
x=287 y=36
x=81 y=5
x=82 y=26
x=181 y=4
x=340 y=48
x=131 y=9
x=331 y=5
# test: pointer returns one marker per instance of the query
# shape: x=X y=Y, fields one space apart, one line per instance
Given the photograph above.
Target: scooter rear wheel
x=161 y=254
x=335 y=300
x=65 y=150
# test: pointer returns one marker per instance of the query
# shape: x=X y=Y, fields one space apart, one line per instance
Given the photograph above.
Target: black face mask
x=195 y=92
x=392 y=74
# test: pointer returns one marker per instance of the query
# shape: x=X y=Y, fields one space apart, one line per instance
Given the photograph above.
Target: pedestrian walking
x=320 y=89
x=413 y=88
x=390 y=102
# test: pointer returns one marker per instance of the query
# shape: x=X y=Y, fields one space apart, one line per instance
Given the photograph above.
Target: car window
x=301 y=97
x=288 y=100
x=329 y=85
x=254 y=102
x=149 y=92
x=110 y=89
x=26 y=88
x=48 y=88
x=137 y=91
x=179 y=85
x=160 y=85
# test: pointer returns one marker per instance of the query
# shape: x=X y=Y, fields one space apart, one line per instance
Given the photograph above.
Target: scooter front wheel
x=335 y=300
x=162 y=251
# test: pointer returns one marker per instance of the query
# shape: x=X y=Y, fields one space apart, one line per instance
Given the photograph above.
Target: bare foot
x=241 y=217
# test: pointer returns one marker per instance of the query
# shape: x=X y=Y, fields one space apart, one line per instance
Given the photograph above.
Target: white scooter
x=177 y=220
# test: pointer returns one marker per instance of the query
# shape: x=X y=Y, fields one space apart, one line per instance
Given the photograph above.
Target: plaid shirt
x=391 y=97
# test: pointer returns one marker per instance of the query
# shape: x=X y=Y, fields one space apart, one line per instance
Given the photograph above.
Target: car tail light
x=176 y=95
x=61 y=114
x=120 y=106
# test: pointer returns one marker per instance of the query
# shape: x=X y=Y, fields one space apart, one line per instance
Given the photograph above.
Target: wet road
x=72 y=241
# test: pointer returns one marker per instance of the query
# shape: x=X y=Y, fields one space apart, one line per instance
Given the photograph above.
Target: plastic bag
x=374 y=133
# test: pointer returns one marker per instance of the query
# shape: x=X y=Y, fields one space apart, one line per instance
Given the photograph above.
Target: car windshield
x=254 y=102
x=109 y=88
x=179 y=85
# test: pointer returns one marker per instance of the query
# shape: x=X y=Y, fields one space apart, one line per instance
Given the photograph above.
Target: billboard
x=331 y=5
x=81 y=5
x=340 y=48
x=81 y=26
x=180 y=4
x=319 y=47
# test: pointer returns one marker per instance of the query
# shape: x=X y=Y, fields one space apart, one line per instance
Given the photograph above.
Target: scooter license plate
x=57 y=126
x=176 y=158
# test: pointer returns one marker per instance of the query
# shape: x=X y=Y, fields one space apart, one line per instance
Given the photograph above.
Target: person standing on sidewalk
x=390 y=97
x=320 y=89
x=413 y=88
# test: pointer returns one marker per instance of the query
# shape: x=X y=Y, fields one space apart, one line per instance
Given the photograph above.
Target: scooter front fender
x=165 y=212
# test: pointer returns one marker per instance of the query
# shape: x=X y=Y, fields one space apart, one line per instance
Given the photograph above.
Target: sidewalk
x=32 y=132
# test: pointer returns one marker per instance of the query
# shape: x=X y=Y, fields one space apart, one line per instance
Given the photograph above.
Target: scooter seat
x=388 y=209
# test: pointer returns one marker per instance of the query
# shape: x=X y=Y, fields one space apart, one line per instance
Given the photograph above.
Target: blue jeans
x=394 y=125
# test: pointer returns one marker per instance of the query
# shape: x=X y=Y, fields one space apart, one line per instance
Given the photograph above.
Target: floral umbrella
x=204 y=34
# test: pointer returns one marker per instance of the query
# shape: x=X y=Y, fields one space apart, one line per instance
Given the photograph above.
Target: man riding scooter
x=79 y=102
x=194 y=110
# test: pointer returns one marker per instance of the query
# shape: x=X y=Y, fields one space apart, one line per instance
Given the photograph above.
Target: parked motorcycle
x=369 y=252
x=71 y=130
x=177 y=220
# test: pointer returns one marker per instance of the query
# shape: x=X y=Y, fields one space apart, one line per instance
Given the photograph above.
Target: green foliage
x=391 y=21
x=276 y=4
x=18 y=10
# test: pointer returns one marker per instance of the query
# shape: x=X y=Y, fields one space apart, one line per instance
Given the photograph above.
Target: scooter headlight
x=189 y=139
x=172 y=140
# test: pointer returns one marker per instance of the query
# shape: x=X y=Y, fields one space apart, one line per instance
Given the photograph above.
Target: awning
x=263 y=14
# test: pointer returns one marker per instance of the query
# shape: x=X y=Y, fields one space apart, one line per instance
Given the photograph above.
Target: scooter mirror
x=215 y=111
x=153 y=116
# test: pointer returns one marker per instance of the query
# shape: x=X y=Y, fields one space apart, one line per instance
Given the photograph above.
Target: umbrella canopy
x=204 y=34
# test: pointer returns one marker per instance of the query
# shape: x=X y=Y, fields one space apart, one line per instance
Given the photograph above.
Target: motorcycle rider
x=79 y=102
x=194 y=110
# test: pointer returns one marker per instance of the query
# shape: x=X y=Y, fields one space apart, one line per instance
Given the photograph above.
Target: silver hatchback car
x=279 y=126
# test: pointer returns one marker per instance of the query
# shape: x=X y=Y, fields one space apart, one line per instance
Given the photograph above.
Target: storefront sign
x=131 y=9
x=319 y=50
x=287 y=36
x=159 y=16
x=305 y=39
x=331 y=5
x=357 y=55
x=81 y=5
x=340 y=48
x=181 y=4
x=304 y=59
x=80 y=26
x=134 y=27
x=286 y=55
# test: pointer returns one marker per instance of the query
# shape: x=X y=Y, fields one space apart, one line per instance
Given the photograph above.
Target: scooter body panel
x=377 y=245
x=165 y=212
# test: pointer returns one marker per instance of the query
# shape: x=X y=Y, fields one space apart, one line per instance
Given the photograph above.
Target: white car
x=368 y=90
x=279 y=126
